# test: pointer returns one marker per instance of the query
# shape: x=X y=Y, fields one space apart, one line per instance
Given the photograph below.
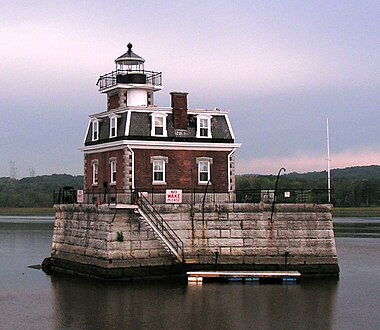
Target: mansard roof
x=136 y=124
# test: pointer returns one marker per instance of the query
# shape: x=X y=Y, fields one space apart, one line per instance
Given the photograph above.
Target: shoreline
x=27 y=211
x=353 y=212
x=336 y=212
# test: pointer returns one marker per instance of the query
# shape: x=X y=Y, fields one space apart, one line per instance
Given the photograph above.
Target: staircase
x=160 y=227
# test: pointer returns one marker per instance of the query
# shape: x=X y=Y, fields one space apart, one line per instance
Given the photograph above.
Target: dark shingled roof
x=140 y=129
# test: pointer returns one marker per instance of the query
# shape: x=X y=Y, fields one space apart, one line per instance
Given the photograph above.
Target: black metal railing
x=68 y=195
x=160 y=224
x=65 y=195
x=112 y=78
x=283 y=196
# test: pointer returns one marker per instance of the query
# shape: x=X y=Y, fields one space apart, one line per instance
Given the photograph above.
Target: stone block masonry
x=118 y=243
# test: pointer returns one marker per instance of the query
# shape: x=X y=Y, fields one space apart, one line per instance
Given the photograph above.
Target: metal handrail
x=109 y=79
x=196 y=196
x=161 y=224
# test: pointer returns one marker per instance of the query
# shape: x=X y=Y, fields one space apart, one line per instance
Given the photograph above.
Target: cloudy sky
x=280 y=68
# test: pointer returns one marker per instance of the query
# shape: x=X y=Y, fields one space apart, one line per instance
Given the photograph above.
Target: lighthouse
x=137 y=145
x=130 y=84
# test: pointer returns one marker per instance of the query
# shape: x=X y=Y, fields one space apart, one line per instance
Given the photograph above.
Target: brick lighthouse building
x=174 y=155
x=137 y=145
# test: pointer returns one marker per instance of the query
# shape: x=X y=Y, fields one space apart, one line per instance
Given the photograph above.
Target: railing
x=161 y=225
x=68 y=195
x=283 y=196
x=111 y=79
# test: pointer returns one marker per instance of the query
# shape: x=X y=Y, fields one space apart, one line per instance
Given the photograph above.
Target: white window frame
x=113 y=169
x=162 y=117
x=113 y=126
x=201 y=162
x=95 y=129
x=204 y=119
x=95 y=172
x=161 y=162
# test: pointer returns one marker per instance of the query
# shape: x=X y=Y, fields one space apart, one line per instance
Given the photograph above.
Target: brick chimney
x=179 y=105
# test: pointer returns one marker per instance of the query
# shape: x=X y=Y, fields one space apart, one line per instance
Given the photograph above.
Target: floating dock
x=244 y=276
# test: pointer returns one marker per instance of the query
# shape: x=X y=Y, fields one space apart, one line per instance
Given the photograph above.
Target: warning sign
x=174 y=196
x=80 y=196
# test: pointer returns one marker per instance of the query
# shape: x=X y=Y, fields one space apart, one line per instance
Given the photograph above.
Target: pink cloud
x=308 y=163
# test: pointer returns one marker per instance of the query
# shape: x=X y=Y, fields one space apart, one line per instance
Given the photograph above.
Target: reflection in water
x=31 y=300
x=81 y=303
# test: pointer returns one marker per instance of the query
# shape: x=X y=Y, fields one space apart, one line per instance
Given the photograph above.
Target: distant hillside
x=351 y=187
x=34 y=191
x=357 y=172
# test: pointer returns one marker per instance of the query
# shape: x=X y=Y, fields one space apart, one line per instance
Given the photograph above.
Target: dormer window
x=158 y=125
x=95 y=130
x=204 y=126
x=113 y=126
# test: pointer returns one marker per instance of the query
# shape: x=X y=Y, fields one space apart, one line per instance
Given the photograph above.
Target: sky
x=280 y=68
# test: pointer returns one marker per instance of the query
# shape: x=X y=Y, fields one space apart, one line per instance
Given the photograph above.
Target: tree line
x=351 y=187
x=35 y=191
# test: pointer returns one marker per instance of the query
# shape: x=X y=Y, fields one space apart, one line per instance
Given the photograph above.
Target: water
x=29 y=299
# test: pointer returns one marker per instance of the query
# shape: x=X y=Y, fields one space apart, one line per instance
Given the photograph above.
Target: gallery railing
x=123 y=76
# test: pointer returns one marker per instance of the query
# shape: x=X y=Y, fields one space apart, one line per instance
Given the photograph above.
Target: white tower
x=130 y=84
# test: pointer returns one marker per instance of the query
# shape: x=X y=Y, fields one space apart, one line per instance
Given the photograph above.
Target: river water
x=29 y=299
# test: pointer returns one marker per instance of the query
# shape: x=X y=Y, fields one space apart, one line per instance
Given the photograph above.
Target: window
x=158 y=171
x=113 y=171
x=204 y=126
x=95 y=130
x=159 y=164
x=158 y=125
x=95 y=172
x=149 y=98
x=113 y=126
x=204 y=169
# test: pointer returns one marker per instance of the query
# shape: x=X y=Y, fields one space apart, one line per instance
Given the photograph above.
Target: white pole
x=328 y=163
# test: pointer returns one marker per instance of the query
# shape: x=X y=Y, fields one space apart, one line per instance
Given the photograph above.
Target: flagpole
x=328 y=162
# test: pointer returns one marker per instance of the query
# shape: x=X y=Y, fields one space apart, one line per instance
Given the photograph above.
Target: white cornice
x=160 y=145
x=148 y=87
x=166 y=110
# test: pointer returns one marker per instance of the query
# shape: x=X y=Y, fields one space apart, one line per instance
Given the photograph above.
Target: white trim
x=133 y=166
x=93 y=123
x=153 y=88
x=113 y=117
x=112 y=161
x=153 y=108
x=115 y=145
x=229 y=169
x=128 y=123
x=208 y=162
x=206 y=117
x=229 y=126
x=155 y=115
x=95 y=162
x=158 y=161
x=165 y=145
x=87 y=131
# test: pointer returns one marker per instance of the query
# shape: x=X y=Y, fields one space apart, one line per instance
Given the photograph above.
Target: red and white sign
x=174 y=196
x=80 y=196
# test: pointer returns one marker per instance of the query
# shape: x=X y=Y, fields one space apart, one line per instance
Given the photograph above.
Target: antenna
x=13 y=169
x=328 y=162
x=32 y=172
